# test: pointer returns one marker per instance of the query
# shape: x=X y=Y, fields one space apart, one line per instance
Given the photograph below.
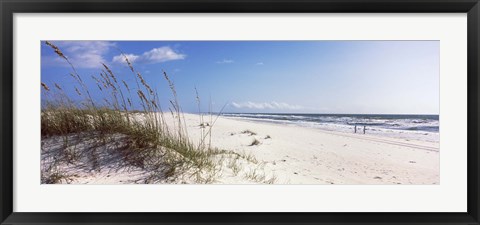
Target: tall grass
x=147 y=140
x=146 y=130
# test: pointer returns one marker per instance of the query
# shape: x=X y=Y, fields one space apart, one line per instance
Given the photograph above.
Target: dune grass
x=146 y=130
x=147 y=141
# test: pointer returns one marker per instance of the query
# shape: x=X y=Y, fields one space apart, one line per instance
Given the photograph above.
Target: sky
x=346 y=77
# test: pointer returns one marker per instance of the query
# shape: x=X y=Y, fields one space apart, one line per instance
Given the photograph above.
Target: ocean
x=418 y=127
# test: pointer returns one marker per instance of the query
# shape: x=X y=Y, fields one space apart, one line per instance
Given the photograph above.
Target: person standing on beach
x=364 y=127
x=355 y=128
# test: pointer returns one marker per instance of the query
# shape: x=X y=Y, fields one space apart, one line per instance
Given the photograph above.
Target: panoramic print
x=240 y=112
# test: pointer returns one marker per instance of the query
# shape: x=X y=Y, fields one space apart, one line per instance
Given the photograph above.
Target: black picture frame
x=9 y=7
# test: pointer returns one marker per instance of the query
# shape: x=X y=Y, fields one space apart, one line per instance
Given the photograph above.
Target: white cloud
x=225 y=61
x=121 y=58
x=266 y=105
x=82 y=54
x=156 y=55
x=259 y=64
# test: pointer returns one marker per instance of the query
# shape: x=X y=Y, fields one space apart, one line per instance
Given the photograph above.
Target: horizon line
x=429 y=114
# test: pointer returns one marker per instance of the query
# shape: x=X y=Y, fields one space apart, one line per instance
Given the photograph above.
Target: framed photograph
x=231 y=112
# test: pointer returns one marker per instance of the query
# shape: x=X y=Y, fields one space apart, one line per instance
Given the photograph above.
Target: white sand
x=300 y=155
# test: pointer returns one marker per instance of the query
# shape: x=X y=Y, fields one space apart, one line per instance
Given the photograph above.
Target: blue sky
x=358 y=77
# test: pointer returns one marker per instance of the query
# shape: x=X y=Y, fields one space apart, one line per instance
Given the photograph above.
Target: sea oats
x=106 y=101
x=78 y=92
x=106 y=77
x=105 y=82
x=145 y=83
x=74 y=77
x=126 y=85
x=142 y=96
x=128 y=62
x=110 y=72
x=58 y=86
x=80 y=115
x=45 y=87
x=170 y=83
x=96 y=79
x=56 y=49
x=197 y=97
x=173 y=105
x=154 y=104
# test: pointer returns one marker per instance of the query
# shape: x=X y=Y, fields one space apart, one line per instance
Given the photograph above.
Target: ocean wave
x=380 y=124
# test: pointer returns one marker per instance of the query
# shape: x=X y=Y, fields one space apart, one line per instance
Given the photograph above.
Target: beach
x=286 y=119
x=290 y=154
x=301 y=155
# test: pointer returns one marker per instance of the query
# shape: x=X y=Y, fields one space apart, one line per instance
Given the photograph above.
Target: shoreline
x=344 y=129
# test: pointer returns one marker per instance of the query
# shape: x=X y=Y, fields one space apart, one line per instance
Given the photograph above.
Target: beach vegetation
x=249 y=132
x=254 y=142
x=147 y=140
